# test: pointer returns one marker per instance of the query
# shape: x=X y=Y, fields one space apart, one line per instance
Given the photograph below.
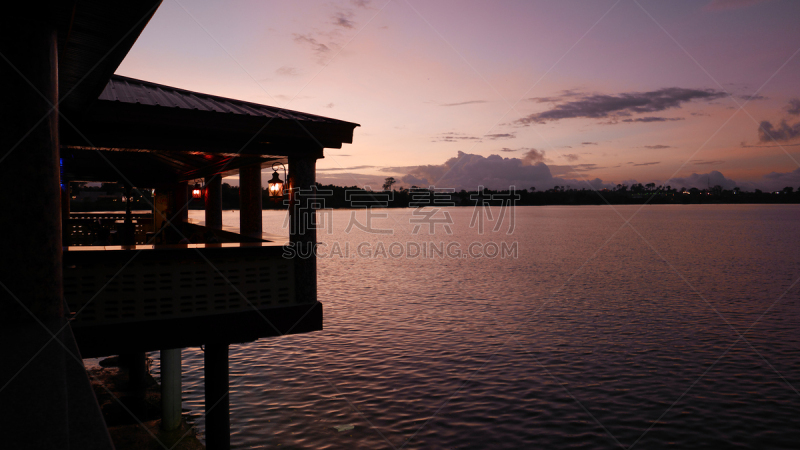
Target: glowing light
x=275 y=186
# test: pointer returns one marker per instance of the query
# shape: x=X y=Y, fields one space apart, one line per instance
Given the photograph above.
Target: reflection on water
x=679 y=331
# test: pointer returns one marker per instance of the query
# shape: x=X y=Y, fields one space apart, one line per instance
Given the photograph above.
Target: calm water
x=597 y=335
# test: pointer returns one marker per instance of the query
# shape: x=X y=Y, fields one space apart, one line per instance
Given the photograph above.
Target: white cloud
x=468 y=171
x=702 y=181
x=775 y=181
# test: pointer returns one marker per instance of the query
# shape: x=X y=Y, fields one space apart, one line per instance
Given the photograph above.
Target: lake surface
x=678 y=330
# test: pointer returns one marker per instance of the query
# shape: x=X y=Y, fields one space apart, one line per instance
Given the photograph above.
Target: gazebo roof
x=129 y=90
x=155 y=134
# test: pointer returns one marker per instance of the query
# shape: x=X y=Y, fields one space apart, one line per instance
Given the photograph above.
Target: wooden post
x=30 y=158
x=66 y=231
x=128 y=231
x=31 y=228
x=218 y=421
x=250 y=201
x=302 y=184
x=178 y=212
x=170 y=389
x=181 y=203
x=214 y=202
x=136 y=362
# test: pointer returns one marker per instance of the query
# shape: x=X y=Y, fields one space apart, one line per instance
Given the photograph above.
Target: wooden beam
x=152 y=335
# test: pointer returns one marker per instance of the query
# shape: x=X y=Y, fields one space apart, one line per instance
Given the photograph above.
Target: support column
x=128 y=231
x=171 y=389
x=302 y=184
x=136 y=362
x=65 y=197
x=214 y=202
x=218 y=421
x=250 y=201
x=181 y=203
x=178 y=213
x=31 y=230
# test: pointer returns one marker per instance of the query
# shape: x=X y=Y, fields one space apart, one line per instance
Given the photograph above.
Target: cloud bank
x=599 y=106
x=452 y=136
x=775 y=181
x=311 y=42
x=334 y=169
x=782 y=133
x=468 y=171
x=794 y=107
x=702 y=181
x=344 y=19
x=653 y=119
x=501 y=136
x=288 y=71
x=468 y=102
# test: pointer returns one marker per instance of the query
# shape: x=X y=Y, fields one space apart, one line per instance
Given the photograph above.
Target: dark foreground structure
x=67 y=118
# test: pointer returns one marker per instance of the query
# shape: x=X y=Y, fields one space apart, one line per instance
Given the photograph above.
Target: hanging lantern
x=275 y=186
x=197 y=192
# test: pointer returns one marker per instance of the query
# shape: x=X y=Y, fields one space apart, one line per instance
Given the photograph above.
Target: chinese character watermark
x=309 y=206
x=368 y=200
x=484 y=201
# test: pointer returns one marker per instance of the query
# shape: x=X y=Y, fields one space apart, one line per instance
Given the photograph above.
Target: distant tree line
x=111 y=196
x=344 y=197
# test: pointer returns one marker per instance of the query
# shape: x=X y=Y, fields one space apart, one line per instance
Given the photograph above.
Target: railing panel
x=82 y=227
x=175 y=282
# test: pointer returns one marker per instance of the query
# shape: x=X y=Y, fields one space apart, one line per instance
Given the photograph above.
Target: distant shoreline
x=145 y=211
x=352 y=197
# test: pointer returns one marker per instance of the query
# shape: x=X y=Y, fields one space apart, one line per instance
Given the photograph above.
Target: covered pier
x=71 y=120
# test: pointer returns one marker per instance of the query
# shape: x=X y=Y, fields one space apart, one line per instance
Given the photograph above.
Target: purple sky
x=461 y=93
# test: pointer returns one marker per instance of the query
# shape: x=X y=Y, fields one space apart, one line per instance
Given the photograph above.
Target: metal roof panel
x=130 y=90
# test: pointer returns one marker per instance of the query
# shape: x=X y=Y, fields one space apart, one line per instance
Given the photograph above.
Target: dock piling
x=218 y=422
x=170 y=389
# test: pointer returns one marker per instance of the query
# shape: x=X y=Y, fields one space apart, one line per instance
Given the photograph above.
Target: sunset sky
x=525 y=93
